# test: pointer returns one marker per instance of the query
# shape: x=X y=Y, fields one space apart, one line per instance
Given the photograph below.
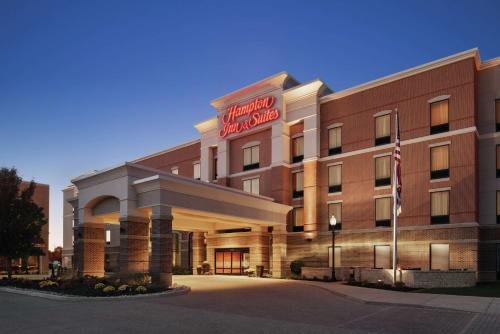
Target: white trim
x=435 y=190
x=382 y=113
x=246 y=172
x=310 y=160
x=338 y=193
x=297 y=171
x=444 y=179
x=335 y=164
x=251 y=144
x=383 y=187
x=297 y=135
x=438 y=98
x=381 y=155
x=443 y=143
x=335 y=202
x=334 y=125
x=382 y=196
x=196 y=162
x=404 y=142
x=251 y=178
x=298 y=206
x=298 y=199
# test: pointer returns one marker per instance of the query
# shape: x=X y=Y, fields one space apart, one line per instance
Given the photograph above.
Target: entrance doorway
x=231 y=261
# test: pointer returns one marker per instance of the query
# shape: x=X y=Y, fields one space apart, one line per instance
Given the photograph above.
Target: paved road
x=234 y=305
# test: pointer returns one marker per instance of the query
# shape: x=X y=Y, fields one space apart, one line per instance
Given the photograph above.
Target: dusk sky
x=86 y=85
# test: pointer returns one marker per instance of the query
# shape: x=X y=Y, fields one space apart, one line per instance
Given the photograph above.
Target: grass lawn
x=491 y=289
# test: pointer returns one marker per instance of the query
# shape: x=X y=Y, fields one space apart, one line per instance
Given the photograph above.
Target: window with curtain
x=335 y=209
x=439 y=116
x=298 y=219
x=298 y=184
x=498 y=207
x=383 y=212
x=440 y=257
x=338 y=256
x=497 y=114
x=108 y=237
x=252 y=186
x=440 y=161
x=335 y=141
x=383 y=171
x=382 y=130
x=335 y=179
x=251 y=158
x=197 y=171
x=176 y=254
x=175 y=170
x=382 y=257
x=440 y=207
x=498 y=160
x=297 y=149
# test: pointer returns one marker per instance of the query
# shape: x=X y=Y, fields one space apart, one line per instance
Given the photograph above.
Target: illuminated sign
x=239 y=118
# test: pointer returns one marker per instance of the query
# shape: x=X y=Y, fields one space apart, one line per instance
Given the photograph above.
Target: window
x=338 y=259
x=497 y=114
x=108 y=237
x=176 y=254
x=498 y=160
x=383 y=171
x=383 y=211
x=335 y=141
x=298 y=219
x=440 y=257
x=214 y=169
x=498 y=207
x=197 y=171
x=439 y=116
x=297 y=149
x=175 y=170
x=382 y=130
x=382 y=257
x=440 y=164
x=335 y=209
x=251 y=186
x=440 y=207
x=251 y=157
x=335 y=179
x=298 y=184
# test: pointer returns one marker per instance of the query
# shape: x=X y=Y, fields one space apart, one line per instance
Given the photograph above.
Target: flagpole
x=395 y=215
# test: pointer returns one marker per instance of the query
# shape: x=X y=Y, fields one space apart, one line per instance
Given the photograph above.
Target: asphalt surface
x=234 y=305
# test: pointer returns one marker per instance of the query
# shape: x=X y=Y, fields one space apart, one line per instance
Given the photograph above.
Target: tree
x=21 y=219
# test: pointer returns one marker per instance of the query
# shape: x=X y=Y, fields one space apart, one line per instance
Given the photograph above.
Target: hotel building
x=280 y=157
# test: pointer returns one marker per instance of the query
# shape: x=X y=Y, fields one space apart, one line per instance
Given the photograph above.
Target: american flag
x=396 y=191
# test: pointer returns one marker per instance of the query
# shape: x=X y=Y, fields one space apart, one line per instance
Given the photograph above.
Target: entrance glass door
x=231 y=261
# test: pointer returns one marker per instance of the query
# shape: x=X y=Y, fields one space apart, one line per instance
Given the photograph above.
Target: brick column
x=161 y=257
x=199 y=249
x=279 y=255
x=89 y=249
x=134 y=244
x=311 y=198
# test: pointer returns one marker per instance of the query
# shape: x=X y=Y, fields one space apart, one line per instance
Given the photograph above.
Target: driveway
x=219 y=304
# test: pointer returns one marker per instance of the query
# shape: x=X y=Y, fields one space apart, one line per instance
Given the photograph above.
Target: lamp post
x=333 y=222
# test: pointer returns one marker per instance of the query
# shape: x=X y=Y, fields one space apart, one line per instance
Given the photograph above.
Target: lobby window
x=382 y=257
x=335 y=209
x=251 y=159
x=440 y=257
x=498 y=160
x=439 y=116
x=382 y=130
x=335 y=141
x=197 y=170
x=251 y=185
x=383 y=212
x=338 y=257
x=498 y=207
x=335 y=179
x=383 y=171
x=175 y=170
x=298 y=149
x=298 y=219
x=440 y=162
x=108 y=237
x=497 y=114
x=440 y=207
x=298 y=184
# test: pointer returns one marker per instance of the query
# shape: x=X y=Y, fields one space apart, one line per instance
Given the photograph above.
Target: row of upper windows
x=196 y=170
x=439 y=211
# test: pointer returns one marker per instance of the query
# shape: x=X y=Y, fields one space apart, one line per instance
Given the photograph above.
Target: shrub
x=296 y=267
x=99 y=286
x=131 y=278
x=47 y=283
x=108 y=289
x=141 y=289
x=205 y=266
x=123 y=287
x=178 y=270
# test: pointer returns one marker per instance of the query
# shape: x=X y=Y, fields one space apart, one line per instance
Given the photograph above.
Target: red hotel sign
x=239 y=118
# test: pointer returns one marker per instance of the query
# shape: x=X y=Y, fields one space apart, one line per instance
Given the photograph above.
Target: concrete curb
x=180 y=290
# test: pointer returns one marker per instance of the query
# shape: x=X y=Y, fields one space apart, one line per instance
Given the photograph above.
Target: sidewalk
x=488 y=305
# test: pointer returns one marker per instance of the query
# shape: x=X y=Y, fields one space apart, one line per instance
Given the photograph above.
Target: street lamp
x=333 y=222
